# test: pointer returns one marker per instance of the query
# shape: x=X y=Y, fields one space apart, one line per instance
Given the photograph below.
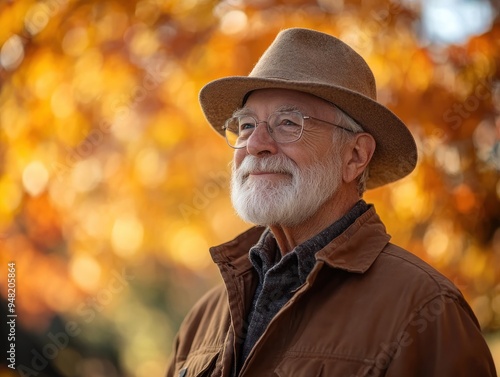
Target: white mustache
x=273 y=164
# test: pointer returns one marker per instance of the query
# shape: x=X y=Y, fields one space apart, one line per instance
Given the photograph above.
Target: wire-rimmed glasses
x=283 y=126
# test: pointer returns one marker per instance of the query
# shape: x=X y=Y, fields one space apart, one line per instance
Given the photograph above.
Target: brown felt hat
x=320 y=64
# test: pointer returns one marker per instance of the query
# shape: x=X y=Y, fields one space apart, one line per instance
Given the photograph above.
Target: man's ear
x=357 y=154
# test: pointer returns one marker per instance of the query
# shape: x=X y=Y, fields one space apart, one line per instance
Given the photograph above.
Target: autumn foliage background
x=112 y=185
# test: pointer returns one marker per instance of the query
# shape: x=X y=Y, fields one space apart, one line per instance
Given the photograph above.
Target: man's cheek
x=238 y=157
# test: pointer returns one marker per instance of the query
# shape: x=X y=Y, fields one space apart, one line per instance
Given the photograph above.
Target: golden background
x=113 y=186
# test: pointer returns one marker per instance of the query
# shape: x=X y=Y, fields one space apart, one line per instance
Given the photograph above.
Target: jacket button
x=183 y=372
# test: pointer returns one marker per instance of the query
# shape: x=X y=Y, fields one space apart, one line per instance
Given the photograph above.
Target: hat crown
x=314 y=57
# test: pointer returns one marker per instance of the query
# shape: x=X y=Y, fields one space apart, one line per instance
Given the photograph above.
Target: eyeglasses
x=283 y=126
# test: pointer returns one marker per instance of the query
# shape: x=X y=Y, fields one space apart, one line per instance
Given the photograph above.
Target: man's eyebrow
x=288 y=108
x=245 y=111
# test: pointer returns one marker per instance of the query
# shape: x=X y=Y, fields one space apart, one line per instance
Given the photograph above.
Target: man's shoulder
x=412 y=270
x=396 y=289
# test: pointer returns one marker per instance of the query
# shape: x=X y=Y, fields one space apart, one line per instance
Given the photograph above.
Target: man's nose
x=261 y=142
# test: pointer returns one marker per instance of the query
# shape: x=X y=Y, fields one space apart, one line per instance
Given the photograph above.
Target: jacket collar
x=358 y=246
x=234 y=254
x=354 y=250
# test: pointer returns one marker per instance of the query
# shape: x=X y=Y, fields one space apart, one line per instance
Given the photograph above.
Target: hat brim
x=395 y=154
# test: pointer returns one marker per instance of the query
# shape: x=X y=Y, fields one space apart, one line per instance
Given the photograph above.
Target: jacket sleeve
x=443 y=339
x=171 y=362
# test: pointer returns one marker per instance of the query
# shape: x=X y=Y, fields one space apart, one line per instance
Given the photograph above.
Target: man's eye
x=246 y=126
x=287 y=122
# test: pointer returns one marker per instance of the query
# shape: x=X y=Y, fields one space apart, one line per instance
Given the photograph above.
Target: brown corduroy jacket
x=368 y=308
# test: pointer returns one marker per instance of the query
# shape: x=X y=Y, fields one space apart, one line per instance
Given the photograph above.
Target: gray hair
x=344 y=120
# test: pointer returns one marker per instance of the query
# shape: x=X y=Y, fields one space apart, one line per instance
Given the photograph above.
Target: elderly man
x=317 y=289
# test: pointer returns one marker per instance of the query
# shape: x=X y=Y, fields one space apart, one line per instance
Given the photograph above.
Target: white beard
x=289 y=199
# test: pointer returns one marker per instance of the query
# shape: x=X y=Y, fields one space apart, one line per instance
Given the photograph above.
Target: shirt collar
x=265 y=254
x=354 y=250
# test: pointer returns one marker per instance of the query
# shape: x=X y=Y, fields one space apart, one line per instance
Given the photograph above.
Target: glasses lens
x=286 y=126
x=231 y=131
x=238 y=130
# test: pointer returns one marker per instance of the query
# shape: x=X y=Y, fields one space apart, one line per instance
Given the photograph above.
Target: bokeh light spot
x=86 y=174
x=62 y=102
x=454 y=21
x=448 y=158
x=35 y=178
x=436 y=240
x=409 y=199
x=189 y=248
x=150 y=167
x=12 y=53
x=127 y=235
x=233 y=22
x=465 y=199
x=75 y=41
x=85 y=271
x=142 y=40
